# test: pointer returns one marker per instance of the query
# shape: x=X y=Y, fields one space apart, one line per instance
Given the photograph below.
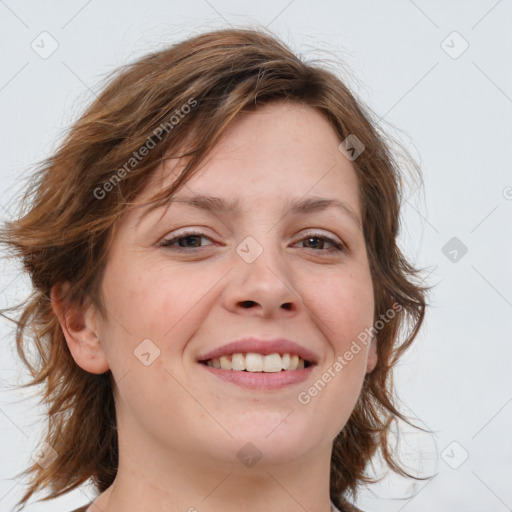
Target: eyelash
x=167 y=242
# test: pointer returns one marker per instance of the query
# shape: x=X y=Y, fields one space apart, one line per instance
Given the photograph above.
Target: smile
x=254 y=362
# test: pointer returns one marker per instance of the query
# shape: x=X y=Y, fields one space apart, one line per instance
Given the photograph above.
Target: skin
x=180 y=428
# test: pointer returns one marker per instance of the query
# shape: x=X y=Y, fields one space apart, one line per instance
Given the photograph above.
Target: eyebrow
x=300 y=206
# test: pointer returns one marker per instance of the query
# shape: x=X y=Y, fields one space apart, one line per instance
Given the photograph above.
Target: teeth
x=272 y=363
x=225 y=363
x=253 y=362
x=238 y=362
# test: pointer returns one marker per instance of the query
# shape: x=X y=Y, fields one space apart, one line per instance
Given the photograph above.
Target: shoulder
x=82 y=509
x=351 y=508
x=348 y=507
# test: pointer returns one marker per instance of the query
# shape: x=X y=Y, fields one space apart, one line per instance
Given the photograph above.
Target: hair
x=184 y=96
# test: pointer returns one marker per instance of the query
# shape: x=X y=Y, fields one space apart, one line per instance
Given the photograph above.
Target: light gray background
x=454 y=115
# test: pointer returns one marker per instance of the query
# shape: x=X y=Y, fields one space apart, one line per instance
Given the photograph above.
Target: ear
x=372 y=355
x=80 y=329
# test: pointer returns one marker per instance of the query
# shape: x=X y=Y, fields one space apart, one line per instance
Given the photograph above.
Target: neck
x=187 y=481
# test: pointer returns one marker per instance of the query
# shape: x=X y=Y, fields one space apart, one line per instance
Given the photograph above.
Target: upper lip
x=259 y=346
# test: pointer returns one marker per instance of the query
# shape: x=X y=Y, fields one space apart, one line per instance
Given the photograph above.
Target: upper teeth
x=253 y=362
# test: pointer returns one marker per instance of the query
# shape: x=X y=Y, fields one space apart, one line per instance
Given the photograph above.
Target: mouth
x=259 y=372
x=253 y=362
x=259 y=364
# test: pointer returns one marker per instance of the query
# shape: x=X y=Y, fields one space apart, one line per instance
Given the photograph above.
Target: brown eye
x=188 y=240
x=318 y=242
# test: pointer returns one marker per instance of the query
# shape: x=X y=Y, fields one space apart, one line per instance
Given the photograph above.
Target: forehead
x=271 y=156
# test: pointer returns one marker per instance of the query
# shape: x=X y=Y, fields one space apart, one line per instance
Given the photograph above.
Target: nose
x=262 y=288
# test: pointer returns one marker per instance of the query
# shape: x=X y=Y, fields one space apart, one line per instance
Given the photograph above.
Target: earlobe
x=80 y=331
x=372 y=356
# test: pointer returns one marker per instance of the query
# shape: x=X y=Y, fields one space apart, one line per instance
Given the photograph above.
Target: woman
x=218 y=292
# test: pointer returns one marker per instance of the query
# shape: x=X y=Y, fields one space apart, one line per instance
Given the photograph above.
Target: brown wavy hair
x=184 y=96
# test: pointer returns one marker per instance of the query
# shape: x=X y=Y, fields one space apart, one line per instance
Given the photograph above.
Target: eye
x=192 y=240
x=188 y=237
x=311 y=238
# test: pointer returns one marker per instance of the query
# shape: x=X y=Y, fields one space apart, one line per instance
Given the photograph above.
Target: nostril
x=248 y=303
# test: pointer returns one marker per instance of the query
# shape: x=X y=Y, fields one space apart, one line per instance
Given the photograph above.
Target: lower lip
x=261 y=380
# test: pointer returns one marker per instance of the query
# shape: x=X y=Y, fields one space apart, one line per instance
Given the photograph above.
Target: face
x=184 y=280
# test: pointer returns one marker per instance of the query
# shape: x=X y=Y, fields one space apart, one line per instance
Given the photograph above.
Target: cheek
x=162 y=302
x=345 y=305
x=129 y=298
x=344 y=310
x=147 y=300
